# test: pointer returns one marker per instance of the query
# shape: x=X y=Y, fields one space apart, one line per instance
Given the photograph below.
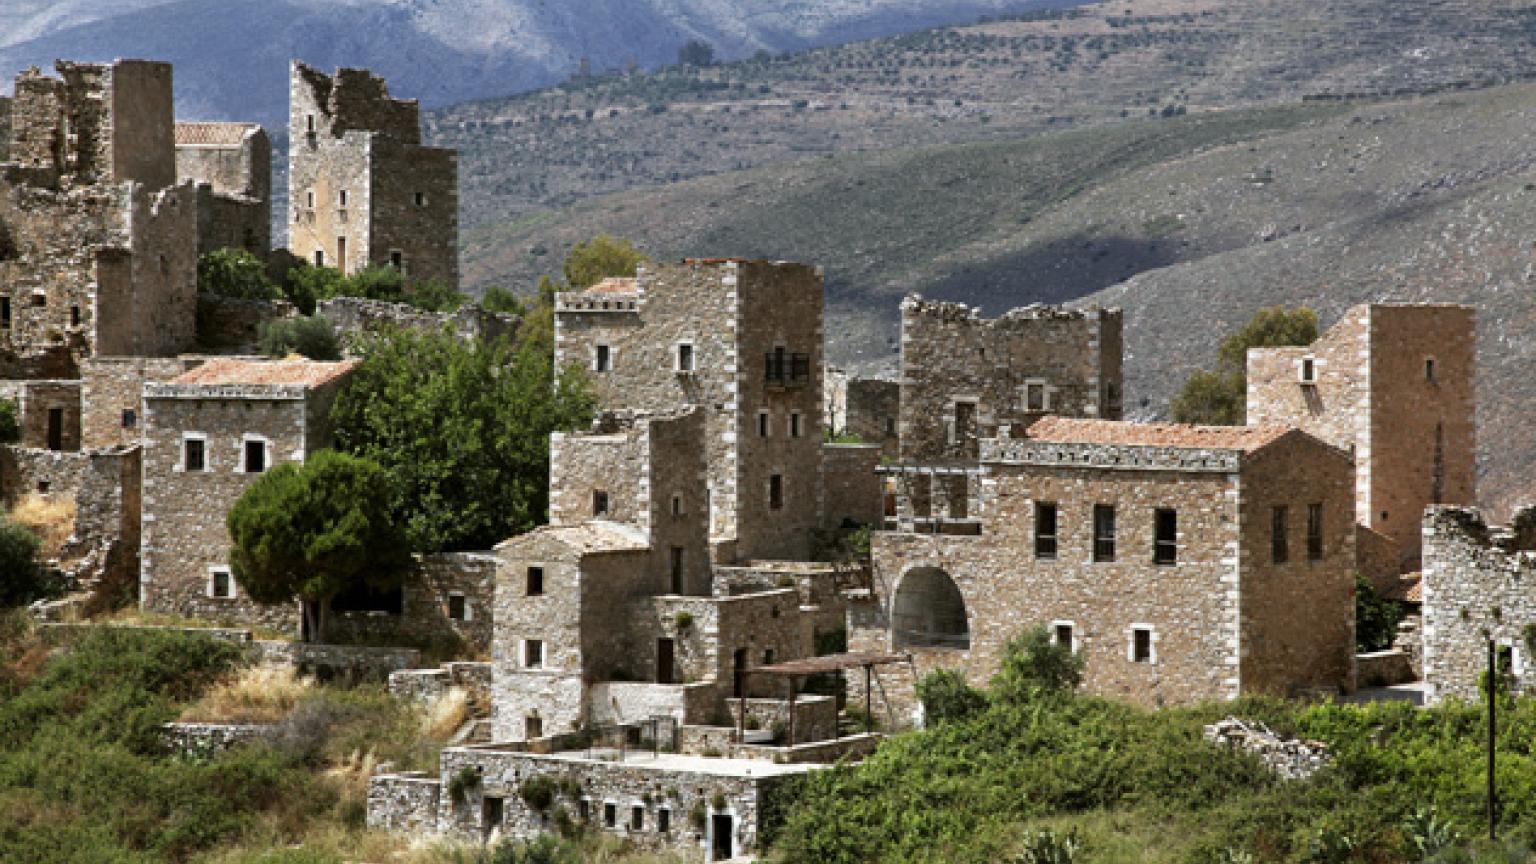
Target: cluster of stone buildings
x=681 y=636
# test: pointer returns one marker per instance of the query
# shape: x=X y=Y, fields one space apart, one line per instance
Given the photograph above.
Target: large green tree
x=1219 y=397
x=235 y=273
x=21 y=579
x=463 y=429
x=313 y=531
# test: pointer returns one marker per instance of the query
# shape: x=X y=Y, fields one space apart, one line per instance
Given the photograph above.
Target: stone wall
x=1011 y=370
x=407 y=803
x=1476 y=587
x=232 y=325
x=231 y=163
x=353 y=316
x=1397 y=384
x=429 y=685
x=37 y=402
x=112 y=395
x=850 y=488
x=206 y=740
x=424 y=619
x=349 y=663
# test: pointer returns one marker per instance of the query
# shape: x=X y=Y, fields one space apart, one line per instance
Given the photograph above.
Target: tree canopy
x=21 y=579
x=306 y=285
x=314 y=337
x=462 y=428
x=1219 y=397
x=310 y=532
x=235 y=273
x=696 y=52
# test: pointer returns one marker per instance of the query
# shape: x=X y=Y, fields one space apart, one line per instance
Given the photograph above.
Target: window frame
x=533 y=581
x=1279 y=534
x=465 y=613
x=602 y=504
x=1133 y=634
x=266 y=454
x=1315 y=537
x=1165 y=551
x=603 y=357
x=1071 y=628
x=533 y=656
x=1053 y=539
x=183 y=464
x=796 y=426
x=213 y=573
x=684 y=358
x=1104 y=516
x=776 y=492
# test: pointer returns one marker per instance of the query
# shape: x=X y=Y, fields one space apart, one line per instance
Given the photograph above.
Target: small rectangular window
x=255 y=457
x=663 y=820
x=1063 y=635
x=762 y=424
x=1045 y=530
x=685 y=357
x=40 y=299
x=5 y=311
x=677 y=505
x=74 y=316
x=533 y=653
x=637 y=818
x=457 y=609
x=309 y=199
x=221 y=585
x=194 y=455
x=1036 y=397
x=1308 y=370
x=397 y=259
x=130 y=418
x=1141 y=645
x=603 y=362
x=533 y=727
x=341 y=198
x=1279 y=552
x=677 y=570
x=421 y=199
x=1429 y=369
x=494 y=809
x=535 y=581
x=1103 y=533
x=1165 y=549
x=309 y=123
x=583 y=809
x=319 y=257
x=776 y=492
x=599 y=503
x=794 y=424
x=610 y=815
x=1314 y=532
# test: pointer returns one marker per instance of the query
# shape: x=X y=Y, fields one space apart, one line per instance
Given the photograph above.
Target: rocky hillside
x=1190 y=223
x=231 y=57
x=1097 y=63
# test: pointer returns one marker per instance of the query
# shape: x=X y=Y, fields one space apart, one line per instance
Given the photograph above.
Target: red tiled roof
x=225 y=134
x=305 y=373
x=615 y=285
x=1062 y=430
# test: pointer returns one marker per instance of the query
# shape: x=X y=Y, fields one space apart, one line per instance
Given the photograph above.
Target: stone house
x=207 y=435
x=963 y=376
x=868 y=408
x=97 y=238
x=48 y=412
x=1186 y=563
x=1394 y=383
x=362 y=188
x=231 y=163
x=1477 y=587
x=743 y=339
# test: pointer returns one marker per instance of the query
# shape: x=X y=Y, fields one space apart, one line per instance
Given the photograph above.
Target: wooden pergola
x=795 y=670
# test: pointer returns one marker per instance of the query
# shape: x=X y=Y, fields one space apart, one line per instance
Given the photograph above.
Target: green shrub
x=1034 y=665
x=538 y=792
x=311 y=336
x=22 y=579
x=235 y=273
x=10 y=421
x=1376 y=619
x=947 y=697
x=462 y=783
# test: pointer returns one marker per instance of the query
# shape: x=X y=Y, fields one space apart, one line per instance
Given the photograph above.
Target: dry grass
x=51 y=519
x=258 y=694
x=446 y=715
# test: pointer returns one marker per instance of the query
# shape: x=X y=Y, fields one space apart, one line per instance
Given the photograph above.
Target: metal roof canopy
x=828 y=663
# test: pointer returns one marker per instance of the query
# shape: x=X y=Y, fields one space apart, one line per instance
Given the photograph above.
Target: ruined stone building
x=743 y=339
x=1394 y=383
x=98 y=241
x=963 y=376
x=207 y=435
x=1476 y=587
x=231 y=163
x=362 y=188
x=1186 y=563
x=866 y=408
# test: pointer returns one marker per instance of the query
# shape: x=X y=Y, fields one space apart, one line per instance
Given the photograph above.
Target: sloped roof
x=615 y=285
x=213 y=134
x=1246 y=439
x=588 y=537
x=290 y=372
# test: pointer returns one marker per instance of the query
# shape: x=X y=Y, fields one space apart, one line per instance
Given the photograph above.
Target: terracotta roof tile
x=1061 y=430
x=615 y=285
x=594 y=536
x=304 y=373
x=213 y=134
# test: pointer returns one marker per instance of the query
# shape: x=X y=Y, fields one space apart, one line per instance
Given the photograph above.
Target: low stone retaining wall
x=1290 y=758
x=345 y=662
x=406 y=802
x=1383 y=668
x=208 y=739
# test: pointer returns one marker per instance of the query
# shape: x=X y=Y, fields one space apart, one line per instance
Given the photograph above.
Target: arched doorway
x=929 y=612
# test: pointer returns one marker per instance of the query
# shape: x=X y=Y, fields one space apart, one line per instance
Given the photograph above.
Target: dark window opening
x=611 y=815
x=890 y=426
x=636 y=818
x=1504 y=659
x=584 y=810
x=1064 y=635
x=664 y=820
x=457 y=608
x=396 y=259
x=1103 y=533
x=966 y=433
x=130 y=418
x=55 y=428
x=794 y=425
x=74 y=316
x=421 y=199
x=194 y=454
x=1141 y=645
x=677 y=505
x=721 y=846
x=762 y=424
x=533 y=653
x=494 y=809
x=341 y=198
x=535 y=581
x=41 y=299
x=1034 y=397
x=223 y=585
x=1429 y=370
x=1165 y=549
x=341 y=254
x=776 y=492
x=604 y=362
x=1308 y=370
x=677 y=569
x=599 y=503
x=533 y=727
x=929 y=611
x=1314 y=532
x=1279 y=551
x=685 y=358
x=1045 y=530
x=768 y=656
x=255 y=457
x=5 y=311
x=666 y=661
x=309 y=123
x=319 y=257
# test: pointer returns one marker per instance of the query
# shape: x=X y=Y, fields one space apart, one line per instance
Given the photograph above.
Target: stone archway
x=929 y=612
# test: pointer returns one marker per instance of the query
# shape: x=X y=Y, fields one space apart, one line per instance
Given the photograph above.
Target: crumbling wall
x=37 y=401
x=1477 y=586
x=353 y=316
x=233 y=325
x=1011 y=370
x=873 y=413
x=424 y=619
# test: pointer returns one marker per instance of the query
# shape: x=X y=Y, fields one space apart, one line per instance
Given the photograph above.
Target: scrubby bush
x=946 y=697
x=21 y=576
x=235 y=273
x=1376 y=618
x=1034 y=665
x=312 y=336
x=10 y=421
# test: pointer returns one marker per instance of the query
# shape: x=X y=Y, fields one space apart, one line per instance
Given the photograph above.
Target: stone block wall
x=1476 y=587
x=353 y=316
x=850 y=488
x=874 y=412
x=424 y=619
x=415 y=209
x=232 y=325
x=112 y=395
x=407 y=803
x=49 y=412
x=1066 y=361
x=231 y=163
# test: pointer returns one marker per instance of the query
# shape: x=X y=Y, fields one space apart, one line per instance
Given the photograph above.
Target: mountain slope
x=231 y=55
x=1219 y=213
